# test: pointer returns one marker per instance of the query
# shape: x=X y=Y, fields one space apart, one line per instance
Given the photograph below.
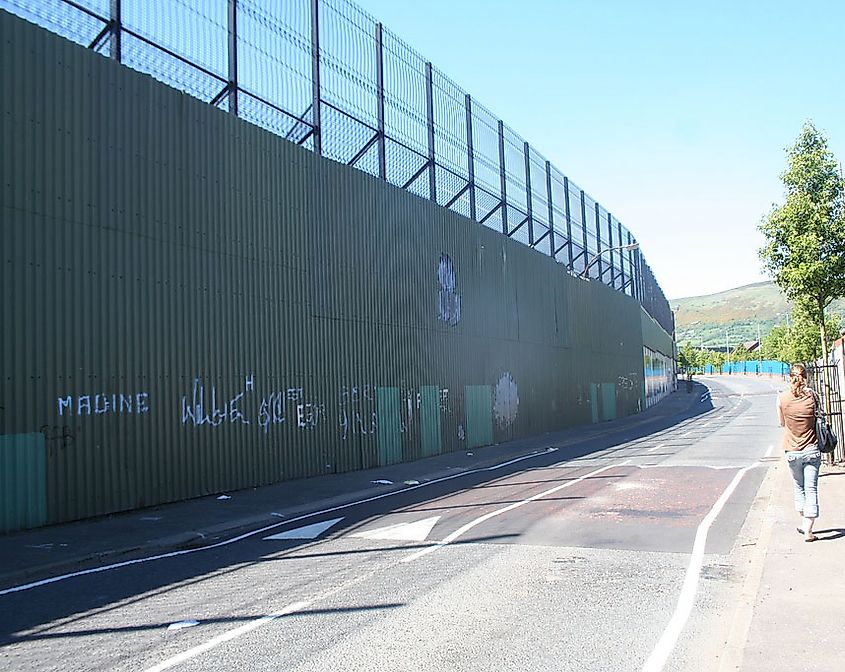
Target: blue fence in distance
x=766 y=366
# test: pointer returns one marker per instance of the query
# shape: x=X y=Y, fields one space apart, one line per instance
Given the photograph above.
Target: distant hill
x=704 y=320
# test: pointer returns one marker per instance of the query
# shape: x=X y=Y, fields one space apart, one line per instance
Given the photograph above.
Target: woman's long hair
x=797 y=379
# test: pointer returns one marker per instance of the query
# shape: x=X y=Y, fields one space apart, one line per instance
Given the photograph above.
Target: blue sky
x=674 y=115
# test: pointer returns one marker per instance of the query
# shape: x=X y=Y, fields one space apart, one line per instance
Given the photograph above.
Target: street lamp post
x=630 y=246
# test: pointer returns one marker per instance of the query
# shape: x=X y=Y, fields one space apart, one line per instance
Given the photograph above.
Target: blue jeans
x=804 y=466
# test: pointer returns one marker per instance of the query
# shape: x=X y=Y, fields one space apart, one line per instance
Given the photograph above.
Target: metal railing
x=327 y=76
x=824 y=379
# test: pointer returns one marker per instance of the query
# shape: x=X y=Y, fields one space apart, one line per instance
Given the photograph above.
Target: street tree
x=805 y=237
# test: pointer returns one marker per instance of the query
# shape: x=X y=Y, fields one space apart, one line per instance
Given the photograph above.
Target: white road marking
x=266 y=528
x=416 y=531
x=180 y=625
x=487 y=516
x=226 y=637
x=769 y=451
x=651 y=450
x=689 y=466
x=657 y=659
x=308 y=532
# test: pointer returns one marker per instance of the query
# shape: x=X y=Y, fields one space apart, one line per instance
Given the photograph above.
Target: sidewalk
x=795 y=609
x=788 y=618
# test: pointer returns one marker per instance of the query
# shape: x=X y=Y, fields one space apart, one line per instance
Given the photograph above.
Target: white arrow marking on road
x=416 y=531
x=307 y=532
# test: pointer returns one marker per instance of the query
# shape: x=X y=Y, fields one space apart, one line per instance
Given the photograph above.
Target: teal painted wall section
x=23 y=477
x=430 y=420
x=608 y=401
x=389 y=426
x=479 y=415
x=271 y=314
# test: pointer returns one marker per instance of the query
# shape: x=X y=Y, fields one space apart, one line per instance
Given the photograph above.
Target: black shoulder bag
x=824 y=435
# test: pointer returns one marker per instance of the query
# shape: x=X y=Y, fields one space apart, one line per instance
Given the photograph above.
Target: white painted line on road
x=266 y=528
x=690 y=466
x=662 y=445
x=416 y=531
x=769 y=451
x=487 y=516
x=308 y=532
x=226 y=637
x=657 y=659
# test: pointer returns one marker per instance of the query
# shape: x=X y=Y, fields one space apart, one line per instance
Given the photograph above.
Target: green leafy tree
x=775 y=345
x=801 y=341
x=688 y=357
x=741 y=354
x=805 y=237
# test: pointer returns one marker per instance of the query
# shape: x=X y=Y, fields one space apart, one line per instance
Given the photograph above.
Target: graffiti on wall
x=357 y=414
x=100 y=404
x=448 y=298
x=210 y=404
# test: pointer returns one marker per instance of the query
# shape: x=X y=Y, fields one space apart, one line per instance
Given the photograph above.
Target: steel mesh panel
x=516 y=218
x=404 y=94
x=274 y=57
x=368 y=161
x=197 y=32
x=271 y=119
x=450 y=128
x=485 y=142
x=143 y=57
x=402 y=163
x=517 y=193
x=348 y=76
x=539 y=190
x=579 y=259
x=343 y=136
x=63 y=19
x=485 y=203
x=448 y=185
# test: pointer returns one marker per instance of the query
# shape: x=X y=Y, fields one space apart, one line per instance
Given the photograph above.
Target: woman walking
x=796 y=414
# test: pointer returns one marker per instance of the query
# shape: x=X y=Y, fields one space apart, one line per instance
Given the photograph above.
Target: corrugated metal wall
x=191 y=304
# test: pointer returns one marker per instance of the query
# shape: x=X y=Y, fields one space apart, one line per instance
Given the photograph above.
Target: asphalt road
x=623 y=554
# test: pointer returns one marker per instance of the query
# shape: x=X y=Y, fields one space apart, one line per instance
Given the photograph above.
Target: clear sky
x=674 y=114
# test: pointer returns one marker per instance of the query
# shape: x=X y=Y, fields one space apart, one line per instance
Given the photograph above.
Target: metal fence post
x=503 y=183
x=568 y=221
x=528 y=197
x=612 y=253
x=233 y=57
x=315 y=77
x=429 y=114
x=551 y=209
x=600 y=262
x=584 y=228
x=116 y=16
x=470 y=158
x=382 y=154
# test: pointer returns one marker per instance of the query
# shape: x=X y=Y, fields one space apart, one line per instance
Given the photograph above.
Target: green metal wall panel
x=479 y=415
x=23 y=477
x=608 y=401
x=389 y=426
x=430 y=438
x=201 y=306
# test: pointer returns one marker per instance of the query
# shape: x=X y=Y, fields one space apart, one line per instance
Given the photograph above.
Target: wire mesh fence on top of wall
x=327 y=76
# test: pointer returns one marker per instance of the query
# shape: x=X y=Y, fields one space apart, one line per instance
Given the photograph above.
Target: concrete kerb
x=205 y=535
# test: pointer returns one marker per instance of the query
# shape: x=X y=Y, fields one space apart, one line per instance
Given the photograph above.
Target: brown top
x=798 y=418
